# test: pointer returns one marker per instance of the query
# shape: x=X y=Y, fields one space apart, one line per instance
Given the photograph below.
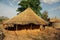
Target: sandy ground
x=48 y=33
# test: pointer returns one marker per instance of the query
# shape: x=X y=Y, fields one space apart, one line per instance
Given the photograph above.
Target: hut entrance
x=21 y=27
x=28 y=26
x=11 y=28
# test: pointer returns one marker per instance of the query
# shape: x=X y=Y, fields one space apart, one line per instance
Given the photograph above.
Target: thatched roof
x=26 y=17
x=55 y=20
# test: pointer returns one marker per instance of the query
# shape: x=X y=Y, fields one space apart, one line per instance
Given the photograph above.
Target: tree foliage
x=1 y=20
x=45 y=15
x=33 y=4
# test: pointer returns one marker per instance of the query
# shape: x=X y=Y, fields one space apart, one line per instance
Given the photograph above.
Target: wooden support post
x=31 y=26
x=40 y=28
x=16 y=27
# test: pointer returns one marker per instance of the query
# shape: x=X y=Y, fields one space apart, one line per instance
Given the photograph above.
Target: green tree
x=1 y=20
x=45 y=15
x=33 y=4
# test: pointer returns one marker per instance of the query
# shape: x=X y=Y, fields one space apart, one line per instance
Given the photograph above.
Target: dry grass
x=48 y=34
x=26 y=17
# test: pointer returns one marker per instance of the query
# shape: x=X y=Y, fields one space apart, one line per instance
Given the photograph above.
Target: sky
x=8 y=7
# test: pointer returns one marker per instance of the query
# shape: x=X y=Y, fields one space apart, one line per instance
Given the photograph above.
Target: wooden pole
x=31 y=26
x=40 y=28
x=16 y=27
x=16 y=31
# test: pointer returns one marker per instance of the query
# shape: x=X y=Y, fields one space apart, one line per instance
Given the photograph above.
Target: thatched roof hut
x=55 y=20
x=26 y=20
x=26 y=17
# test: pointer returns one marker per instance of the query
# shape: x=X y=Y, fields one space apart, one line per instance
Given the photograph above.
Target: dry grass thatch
x=55 y=20
x=26 y=17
